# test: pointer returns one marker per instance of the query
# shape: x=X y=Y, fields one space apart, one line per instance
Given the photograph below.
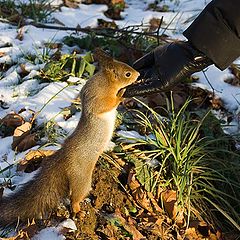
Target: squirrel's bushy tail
x=34 y=198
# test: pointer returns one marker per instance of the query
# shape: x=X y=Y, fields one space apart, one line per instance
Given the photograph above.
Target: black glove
x=165 y=66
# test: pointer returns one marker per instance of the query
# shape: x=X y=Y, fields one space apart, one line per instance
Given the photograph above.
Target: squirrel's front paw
x=121 y=92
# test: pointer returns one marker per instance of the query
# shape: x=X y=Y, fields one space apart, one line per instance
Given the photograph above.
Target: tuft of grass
x=68 y=65
x=37 y=10
x=202 y=169
x=117 y=43
x=51 y=133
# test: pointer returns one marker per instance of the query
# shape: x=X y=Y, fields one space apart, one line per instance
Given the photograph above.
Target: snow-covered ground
x=19 y=95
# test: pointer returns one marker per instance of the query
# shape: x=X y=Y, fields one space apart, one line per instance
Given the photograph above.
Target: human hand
x=165 y=66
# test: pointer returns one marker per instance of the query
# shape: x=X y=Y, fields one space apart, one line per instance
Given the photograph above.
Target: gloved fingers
x=149 y=86
x=145 y=61
x=146 y=73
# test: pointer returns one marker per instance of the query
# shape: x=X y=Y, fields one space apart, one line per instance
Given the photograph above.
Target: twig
x=158 y=30
x=213 y=89
x=98 y=31
x=167 y=28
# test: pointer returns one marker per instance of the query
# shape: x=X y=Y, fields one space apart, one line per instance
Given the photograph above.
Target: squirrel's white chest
x=109 y=119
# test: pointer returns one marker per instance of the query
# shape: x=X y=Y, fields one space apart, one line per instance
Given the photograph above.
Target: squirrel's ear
x=102 y=57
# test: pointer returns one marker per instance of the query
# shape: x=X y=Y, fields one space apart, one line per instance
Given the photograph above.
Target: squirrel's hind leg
x=78 y=192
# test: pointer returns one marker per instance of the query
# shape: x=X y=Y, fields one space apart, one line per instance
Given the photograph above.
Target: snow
x=129 y=136
x=49 y=233
x=229 y=94
x=54 y=233
x=51 y=98
x=69 y=224
x=85 y=16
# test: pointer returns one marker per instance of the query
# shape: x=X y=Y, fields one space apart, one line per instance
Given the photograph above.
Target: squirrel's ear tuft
x=102 y=57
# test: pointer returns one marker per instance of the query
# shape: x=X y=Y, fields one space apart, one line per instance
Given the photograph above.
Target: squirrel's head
x=117 y=71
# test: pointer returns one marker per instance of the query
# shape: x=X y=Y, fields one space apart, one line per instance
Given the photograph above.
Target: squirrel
x=68 y=172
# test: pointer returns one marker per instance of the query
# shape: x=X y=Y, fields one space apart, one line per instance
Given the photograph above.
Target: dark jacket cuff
x=216 y=32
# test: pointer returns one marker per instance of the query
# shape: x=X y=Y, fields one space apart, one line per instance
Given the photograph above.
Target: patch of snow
x=84 y=16
x=129 y=136
x=69 y=224
x=50 y=233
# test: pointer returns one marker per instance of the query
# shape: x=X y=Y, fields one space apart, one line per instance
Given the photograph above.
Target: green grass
x=68 y=65
x=37 y=10
x=117 y=43
x=202 y=169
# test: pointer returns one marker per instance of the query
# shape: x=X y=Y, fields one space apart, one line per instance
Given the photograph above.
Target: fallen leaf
x=12 y=120
x=68 y=112
x=191 y=234
x=107 y=24
x=27 y=142
x=235 y=70
x=23 y=69
x=169 y=199
x=216 y=101
x=33 y=159
x=154 y=24
x=20 y=34
x=71 y=3
x=133 y=183
x=2 y=54
x=9 y=123
x=129 y=225
x=20 y=133
x=142 y=197
x=213 y=237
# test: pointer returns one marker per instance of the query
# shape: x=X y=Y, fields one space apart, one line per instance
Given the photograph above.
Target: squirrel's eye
x=128 y=74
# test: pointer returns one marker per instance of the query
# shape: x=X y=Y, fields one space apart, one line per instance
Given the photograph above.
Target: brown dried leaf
x=33 y=158
x=23 y=69
x=143 y=198
x=71 y=3
x=235 y=70
x=12 y=120
x=20 y=133
x=158 y=227
x=129 y=225
x=27 y=142
x=216 y=102
x=107 y=24
x=133 y=183
x=146 y=200
x=169 y=199
x=191 y=234
x=20 y=34
x=2 y=54
x=213 y=237
x=233 y=81
x=110 y=231
x=154 y=24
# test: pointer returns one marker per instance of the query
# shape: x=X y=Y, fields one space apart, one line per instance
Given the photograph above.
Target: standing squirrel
x=68 y=172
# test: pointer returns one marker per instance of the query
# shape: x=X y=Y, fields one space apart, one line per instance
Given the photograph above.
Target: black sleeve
x=216 y=32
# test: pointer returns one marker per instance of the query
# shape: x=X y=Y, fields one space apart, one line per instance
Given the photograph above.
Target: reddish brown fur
x=69 y=171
